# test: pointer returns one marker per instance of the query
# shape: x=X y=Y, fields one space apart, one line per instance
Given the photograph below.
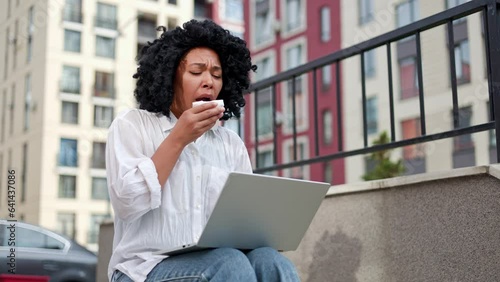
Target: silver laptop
x=257 y=210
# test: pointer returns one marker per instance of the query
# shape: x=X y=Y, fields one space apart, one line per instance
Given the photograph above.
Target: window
x=66 y=224
x=99 y=188
x=407 y=12
x=104 y=85
x=365 y=11
x=327 y=127
x=30 y=31
x=234 y=10
x=73 y=11
x=67 y=186
x=172 y=2
x=98 y=155
x=265 y=159
x=68 y=153
x=263 y=21
x=299 y=171
x=264 y=112
x=326 y=77
x=408 y=77
x=27 y=238
x=327 y=172
x=264 y=97
x=464 y=120
x=70 y=82
x=453 y=3
x=69 y=112
x=27 y=101
x=463 y=146
x=413 y=155
x=24 y=173
x=371 y=115
x=72 y=40
x=294 y=11
x=295 y=90
x=462 y=62
x=103 y=116
x=325 y=24
x=106 y=16
x=171 y=23
x=105 y=47
x=146 y=28
x=200 y=9
x=369 y=63
x=15 y=43
x=411 y=128
x=95 y=223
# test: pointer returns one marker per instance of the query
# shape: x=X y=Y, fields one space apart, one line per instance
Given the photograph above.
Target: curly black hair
x=158 y=62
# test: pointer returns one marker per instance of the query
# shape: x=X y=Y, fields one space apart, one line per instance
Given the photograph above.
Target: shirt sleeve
x=133 y=183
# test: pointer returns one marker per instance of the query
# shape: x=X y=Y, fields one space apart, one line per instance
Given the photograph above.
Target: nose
x=207 y=81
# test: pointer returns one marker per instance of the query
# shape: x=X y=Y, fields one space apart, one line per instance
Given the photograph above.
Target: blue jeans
x=223 y=264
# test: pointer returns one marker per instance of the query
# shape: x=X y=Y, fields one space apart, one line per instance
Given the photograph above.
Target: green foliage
x=384 y=166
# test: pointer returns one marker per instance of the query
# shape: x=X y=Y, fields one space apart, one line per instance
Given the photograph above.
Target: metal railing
x=491 y=22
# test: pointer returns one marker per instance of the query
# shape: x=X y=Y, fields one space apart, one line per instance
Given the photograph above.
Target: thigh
x=222 y=264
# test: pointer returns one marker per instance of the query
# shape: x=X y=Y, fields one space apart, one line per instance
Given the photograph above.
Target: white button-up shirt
x=150 y=217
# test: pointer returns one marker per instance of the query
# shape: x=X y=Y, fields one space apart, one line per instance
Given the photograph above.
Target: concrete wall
x=445 y=229
x=431 y=227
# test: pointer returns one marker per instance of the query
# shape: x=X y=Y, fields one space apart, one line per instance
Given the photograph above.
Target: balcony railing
x=72 y=87
x=491 y=22
x=72 y=15
x=104 y=92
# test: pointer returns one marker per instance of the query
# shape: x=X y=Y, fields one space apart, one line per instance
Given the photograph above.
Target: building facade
x=375 y=17
x=67 y=69
x=283 y=34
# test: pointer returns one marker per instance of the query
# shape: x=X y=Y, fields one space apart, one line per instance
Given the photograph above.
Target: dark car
x=41 y=252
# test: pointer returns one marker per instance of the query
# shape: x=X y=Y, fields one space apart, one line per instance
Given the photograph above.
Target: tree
x=384 y=166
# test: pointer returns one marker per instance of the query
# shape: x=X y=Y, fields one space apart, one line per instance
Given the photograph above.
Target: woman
x=167 y=161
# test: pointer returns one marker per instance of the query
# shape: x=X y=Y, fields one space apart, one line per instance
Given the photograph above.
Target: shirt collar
x=167 y=123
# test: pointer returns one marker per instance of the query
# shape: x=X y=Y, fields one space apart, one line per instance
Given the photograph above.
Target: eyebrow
x=214 y=68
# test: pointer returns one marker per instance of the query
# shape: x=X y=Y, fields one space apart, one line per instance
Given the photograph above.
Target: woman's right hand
x=196 y=121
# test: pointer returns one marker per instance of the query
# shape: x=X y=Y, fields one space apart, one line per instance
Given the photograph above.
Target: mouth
x=204 y=98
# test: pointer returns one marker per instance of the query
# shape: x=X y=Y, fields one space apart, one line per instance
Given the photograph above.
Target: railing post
x=492 y=24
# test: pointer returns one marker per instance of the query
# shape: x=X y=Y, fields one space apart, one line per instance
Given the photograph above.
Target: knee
x=233 y=258
x=265 y=255
x=270 y=265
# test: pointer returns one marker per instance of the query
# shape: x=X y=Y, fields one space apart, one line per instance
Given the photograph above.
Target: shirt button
x=198 y=206
x=198 y=178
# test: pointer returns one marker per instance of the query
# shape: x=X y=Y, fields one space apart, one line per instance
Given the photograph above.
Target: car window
x=33 y=239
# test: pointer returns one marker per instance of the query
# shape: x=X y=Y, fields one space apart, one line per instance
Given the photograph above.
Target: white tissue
x=220 y=103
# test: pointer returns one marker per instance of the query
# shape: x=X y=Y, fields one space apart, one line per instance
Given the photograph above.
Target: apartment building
x=66 y=72
x=284 y=34
x=370 y=18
